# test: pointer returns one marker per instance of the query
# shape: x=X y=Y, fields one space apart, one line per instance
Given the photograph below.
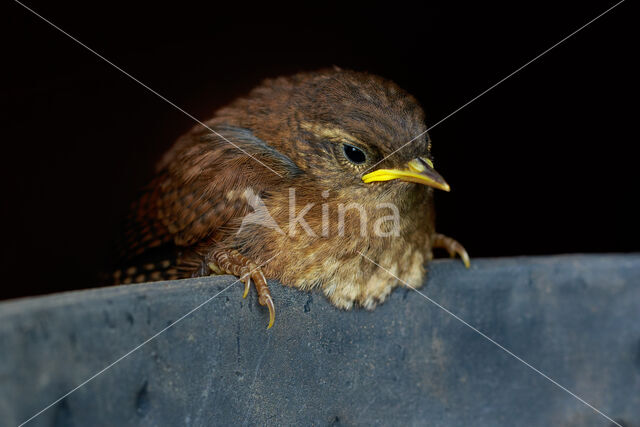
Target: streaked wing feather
x=201 y=189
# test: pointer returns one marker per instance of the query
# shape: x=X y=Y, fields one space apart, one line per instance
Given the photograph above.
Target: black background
x=542 y=164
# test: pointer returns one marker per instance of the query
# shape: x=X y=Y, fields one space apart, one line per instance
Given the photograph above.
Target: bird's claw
x=465 y=257
x=247 y=284
x=264 y=295
x=229 y=261
x=272 y=311
x=452 y=246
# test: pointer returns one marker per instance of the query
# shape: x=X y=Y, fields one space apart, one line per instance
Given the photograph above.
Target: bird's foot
x=230 y=261
x=452 y=246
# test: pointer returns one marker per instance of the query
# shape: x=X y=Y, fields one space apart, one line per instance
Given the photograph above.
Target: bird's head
x=343 y=128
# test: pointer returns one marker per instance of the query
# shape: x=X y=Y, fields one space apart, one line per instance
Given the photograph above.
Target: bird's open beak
x=418 y=170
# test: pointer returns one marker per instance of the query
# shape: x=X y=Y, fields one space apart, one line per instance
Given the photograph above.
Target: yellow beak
x=418 y=170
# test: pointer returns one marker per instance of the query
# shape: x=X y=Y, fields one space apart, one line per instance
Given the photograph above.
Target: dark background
x=542 y=164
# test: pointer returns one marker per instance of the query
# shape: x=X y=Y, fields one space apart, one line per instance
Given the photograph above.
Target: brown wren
x=307 y=179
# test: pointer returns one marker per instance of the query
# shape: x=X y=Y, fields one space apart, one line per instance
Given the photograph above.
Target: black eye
x=354 y=154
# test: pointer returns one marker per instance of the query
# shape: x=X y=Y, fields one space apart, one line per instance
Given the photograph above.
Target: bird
x=313 y=179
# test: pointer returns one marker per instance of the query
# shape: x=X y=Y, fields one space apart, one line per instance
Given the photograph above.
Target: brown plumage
x=292 y=142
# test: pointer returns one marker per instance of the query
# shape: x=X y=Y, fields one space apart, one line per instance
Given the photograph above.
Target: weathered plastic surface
x=575 y=318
